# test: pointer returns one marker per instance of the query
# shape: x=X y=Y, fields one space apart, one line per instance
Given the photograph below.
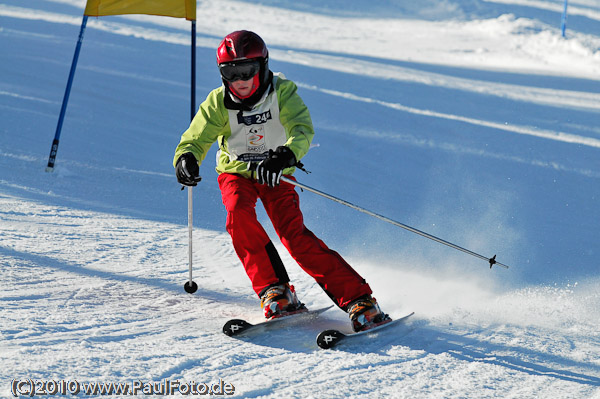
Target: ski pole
x=492 y=261
x=190 y=286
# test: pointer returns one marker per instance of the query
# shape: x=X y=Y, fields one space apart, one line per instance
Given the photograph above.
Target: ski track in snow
x=551 y=135
x=93 y=260
x=89 y=290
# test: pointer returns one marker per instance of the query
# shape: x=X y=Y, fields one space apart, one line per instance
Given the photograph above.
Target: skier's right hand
x=187 y=170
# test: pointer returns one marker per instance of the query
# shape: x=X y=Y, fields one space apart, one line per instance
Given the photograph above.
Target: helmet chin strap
x=255 y=84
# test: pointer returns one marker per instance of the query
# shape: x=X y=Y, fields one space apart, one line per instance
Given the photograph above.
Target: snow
x=474 y=121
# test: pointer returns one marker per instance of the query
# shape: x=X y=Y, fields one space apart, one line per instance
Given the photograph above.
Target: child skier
x=263 y=129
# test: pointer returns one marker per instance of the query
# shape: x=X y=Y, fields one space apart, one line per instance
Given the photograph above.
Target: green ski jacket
x=245 y=136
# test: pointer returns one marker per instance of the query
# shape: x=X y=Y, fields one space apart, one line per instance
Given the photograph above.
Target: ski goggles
x=244 y=70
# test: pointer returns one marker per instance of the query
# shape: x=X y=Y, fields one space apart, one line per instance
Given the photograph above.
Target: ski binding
x=329 y=338
x=237 y=327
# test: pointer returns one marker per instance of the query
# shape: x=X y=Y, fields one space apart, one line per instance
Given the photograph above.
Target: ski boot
x=365 y=313
x=280 y=300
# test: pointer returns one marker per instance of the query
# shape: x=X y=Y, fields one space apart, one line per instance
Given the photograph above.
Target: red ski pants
x=257 y=253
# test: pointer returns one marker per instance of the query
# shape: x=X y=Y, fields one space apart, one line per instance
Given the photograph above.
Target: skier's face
x=242 y=87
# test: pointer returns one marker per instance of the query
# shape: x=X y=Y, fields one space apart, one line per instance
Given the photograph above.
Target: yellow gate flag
x=168 y=8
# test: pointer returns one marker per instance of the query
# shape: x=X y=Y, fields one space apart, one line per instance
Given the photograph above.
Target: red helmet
x=241 y=45
x=244 y=47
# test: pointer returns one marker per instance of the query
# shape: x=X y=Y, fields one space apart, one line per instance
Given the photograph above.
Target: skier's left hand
x=270 y=169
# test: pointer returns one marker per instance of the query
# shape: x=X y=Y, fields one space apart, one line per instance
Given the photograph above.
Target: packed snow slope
x=471 y=120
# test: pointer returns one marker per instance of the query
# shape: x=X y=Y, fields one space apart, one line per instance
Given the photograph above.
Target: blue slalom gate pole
x=63 y=109
x=563 y=21
x=193 y=77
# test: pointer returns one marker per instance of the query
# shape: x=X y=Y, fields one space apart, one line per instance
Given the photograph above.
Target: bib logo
x=257 y=119
x=255 y=139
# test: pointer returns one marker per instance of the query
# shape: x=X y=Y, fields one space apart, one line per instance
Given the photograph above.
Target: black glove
x=270 y=169
x=187 y=170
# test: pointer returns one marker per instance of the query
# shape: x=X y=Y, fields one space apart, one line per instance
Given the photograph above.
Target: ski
x=237 y=327
x=329 y=338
